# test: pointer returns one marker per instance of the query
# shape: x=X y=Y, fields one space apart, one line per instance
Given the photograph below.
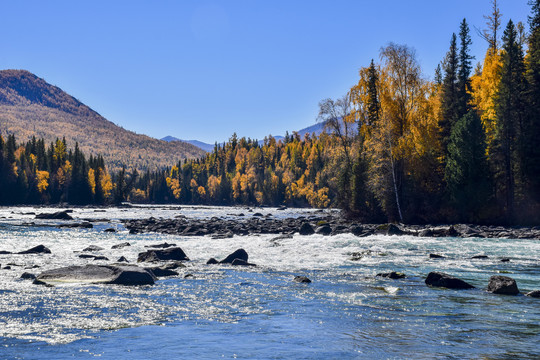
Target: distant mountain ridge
x=29 y=106
x=316 y=129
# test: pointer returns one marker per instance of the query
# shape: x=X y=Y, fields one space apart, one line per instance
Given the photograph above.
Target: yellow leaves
x=106 y=184
x=42 y=180
x=213 y=186
x=484 y=89
x=92 y=180
x=201 y=191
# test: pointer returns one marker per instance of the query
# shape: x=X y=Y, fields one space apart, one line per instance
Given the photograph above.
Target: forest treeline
x=398 y=147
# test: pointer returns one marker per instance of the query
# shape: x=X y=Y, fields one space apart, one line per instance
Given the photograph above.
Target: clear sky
x=205 y=69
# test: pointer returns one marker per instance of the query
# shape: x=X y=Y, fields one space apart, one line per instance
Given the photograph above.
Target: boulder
x=393 y=230
x=240 y=262
x=40 y=249
x=109 y=230
x=161 y=271
x=357 y=230
x=60 y=215
x=505 y=260
x=306 y=229
x=121 y=245
x=534 y=294
x=503 y=285
x=238 y=254
x=4 y=252
x=302 y=279
x=392 y=275
x=436 y=256
x=323 y=230
x=97 y=274
x=172 y=253
x=160 y=246
x=28 y=276
x=258 y=214
x=93 y=248
x=480 y=257
x=212 y=261
x=439 y=279
x=93 y=257
x=122 y=259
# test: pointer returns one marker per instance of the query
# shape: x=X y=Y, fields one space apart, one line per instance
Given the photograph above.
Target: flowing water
x=261 y=313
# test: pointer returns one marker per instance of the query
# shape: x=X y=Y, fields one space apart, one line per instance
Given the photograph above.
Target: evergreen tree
x=449 y=97
x=466 y=171
x=531 y=133
x=464 y=71
x=510 y=110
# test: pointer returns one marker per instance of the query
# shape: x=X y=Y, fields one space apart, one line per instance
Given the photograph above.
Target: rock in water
x=302 y=279
x=92 y=248
x=212 y=261
x=121 y=245
x=534 y=294
x=324 y=230
x=240 y=262
x=238 y=254
x=306 y=229
x=392 y=275
x=174 y=253
x=436 y=256
x=40 y=249
x=439 y=279
x=503 y=285
x=60 y=215
x=393 y=230
x=97 y=274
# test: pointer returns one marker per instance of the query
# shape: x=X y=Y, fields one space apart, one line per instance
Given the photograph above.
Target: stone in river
x=28 y=276
x=306 y=229
x=161 y=271
x=173 y=253
x=240 y=262
x=122 y=259
x=60 y=215
x=392 y=275
x=436 y=256
x=160 y=246
x=439 y=279
x=97 y=274
x=503 y=285
x=121 y=245
x=40 y=249
x=238 y=254
x=480 y=257
x=93 y=248
x=323 y=230
x=534 y=294
x=212 y=261
x=302 y=279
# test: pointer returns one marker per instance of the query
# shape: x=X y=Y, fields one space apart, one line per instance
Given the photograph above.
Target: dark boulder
x=28 y=276
x=502 y=285
x=97 y=274
x=212 y=261
x=302 y=279
x=238 y=254
x=480 y=257
x=534 y=294
x=240 y=262
x=3 y=252
x=121 y=245
x=93 y=257
x=173 y=253
x=357 y=230
x=60 y=215
x=393 y=230
x=92 y=248
x=160 y=246
x=425 y=233
x=323 y=230
x=258 y=214
x=306 y=229
x=122 y=259
x=436 y=256
x=40 y=249
x=159 y=271
x=392 y=275
x=439 y=279
x=505 y=260
x=109 y=230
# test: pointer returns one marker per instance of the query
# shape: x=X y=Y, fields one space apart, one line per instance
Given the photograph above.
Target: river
x=221 y=311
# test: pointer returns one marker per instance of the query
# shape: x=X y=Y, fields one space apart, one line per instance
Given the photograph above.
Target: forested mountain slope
x=29 y=106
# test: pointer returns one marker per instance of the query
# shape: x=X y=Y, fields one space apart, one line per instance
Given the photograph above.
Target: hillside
x=30 y=106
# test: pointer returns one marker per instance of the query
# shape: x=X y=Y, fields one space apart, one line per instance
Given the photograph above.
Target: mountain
x=201 y=145
x=29 y=106
x=315 y=128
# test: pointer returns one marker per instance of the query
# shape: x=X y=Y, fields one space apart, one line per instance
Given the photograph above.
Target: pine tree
x=531 y=134
x=510 y=110
x=466 y=171
x=449 y=98
x=464 y=71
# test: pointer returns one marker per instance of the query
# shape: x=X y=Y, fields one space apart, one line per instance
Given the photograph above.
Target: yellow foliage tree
x=42 y=180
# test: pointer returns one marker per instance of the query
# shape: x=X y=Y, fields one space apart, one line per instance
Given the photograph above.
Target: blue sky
x=205 y=69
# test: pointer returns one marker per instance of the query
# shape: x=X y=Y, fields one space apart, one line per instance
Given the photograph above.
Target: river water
x=261 y=313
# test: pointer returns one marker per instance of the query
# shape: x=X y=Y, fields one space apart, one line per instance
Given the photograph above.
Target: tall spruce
x=510 y=111
x=531 y=150
x=464 y=71
x=449 y=96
